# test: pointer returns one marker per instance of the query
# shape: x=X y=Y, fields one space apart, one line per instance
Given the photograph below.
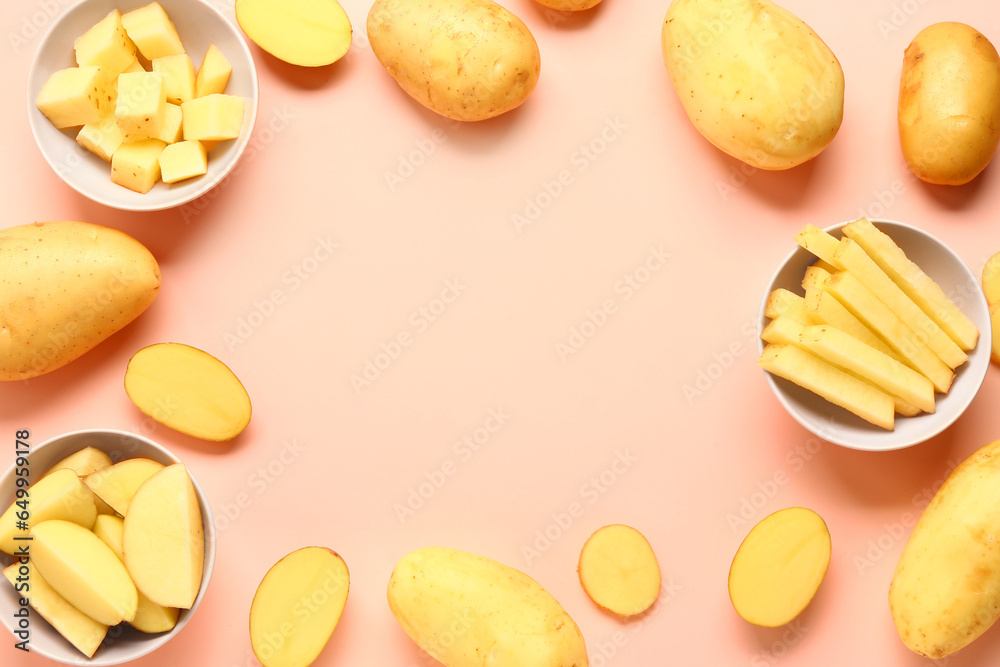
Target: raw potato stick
x=883 y=371
x=854 y=259
x=784 y=331
x=784 y=302
x=825 y=308
x=812 y=373
x=820 y=243
x=876 y=315
x=914 y=282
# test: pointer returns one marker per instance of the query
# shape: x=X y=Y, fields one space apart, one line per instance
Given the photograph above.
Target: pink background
x=608 y=431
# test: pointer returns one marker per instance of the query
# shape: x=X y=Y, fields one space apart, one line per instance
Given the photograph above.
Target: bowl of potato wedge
x=874 y=334
x=142 y=105
x=112 y=555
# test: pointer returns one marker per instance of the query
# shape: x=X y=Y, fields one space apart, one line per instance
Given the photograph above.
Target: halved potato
x=297 y=607
x=779 y=566
x=618 y=570
x=309 y=33
x=188 y=390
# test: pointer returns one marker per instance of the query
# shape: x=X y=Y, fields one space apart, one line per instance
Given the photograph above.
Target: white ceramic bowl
x=839 y=426
x=123 y=643
x=199 y=25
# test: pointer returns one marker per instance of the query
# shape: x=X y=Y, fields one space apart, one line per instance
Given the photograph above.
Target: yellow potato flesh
x=188 y=390
x=310 y=33
x=297 y=607
x=60 y=495
x=779 y=567
x=618 y=570
x=163 y=538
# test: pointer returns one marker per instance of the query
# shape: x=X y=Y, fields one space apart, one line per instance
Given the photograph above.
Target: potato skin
x=467 y=60
x=569 y=5
x=467 y=610
x=64 y=288
x=754 y=79
x=945 y=591
x=949 y=103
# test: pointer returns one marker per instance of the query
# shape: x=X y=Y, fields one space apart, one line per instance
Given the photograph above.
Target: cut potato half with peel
x=618 y=570
x=297 y=606
x=188 y=390
x=780 y=566
x=309 y=33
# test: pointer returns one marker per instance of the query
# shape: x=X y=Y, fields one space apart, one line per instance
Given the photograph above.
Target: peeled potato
x=297 y=607
x=310 y=33
x=618 y=570
x=188 y=390
x=779 y=567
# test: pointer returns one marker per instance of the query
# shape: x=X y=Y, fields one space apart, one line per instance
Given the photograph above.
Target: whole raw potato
x=465 y=59
x=569 y=5
x=466 y=610
x=945 y=591
x=65 y=287
x=949 y=103
x=754 y=79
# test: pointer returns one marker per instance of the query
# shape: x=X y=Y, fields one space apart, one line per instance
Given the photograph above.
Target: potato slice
x=779 y=566
x=83 y=462
x=163 y=538
x=149 y=616
x=914 y=282
x=282 y=632
x=77 y=628
x=812 y=373
x=188 y=390
x=854 y=259
x=310 y=33
x=84 y=571
x=618 y=570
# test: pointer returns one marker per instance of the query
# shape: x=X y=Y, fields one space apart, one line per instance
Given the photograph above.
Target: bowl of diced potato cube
x=142 y=105
x=875 y=335
x=113 y=555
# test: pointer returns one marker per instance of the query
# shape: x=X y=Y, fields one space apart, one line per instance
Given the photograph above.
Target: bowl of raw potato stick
x=142 y=105
x=874 y=334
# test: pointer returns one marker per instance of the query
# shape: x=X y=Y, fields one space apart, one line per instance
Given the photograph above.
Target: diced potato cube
x=178 y=75
x=153 y=32
x=142 y=105
x=77 y=96
x=213 y=75
x=101 y=138
x=106 y=44
x=185 y=159
x=213 y=117
x=172 y=119
x=136 y=165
